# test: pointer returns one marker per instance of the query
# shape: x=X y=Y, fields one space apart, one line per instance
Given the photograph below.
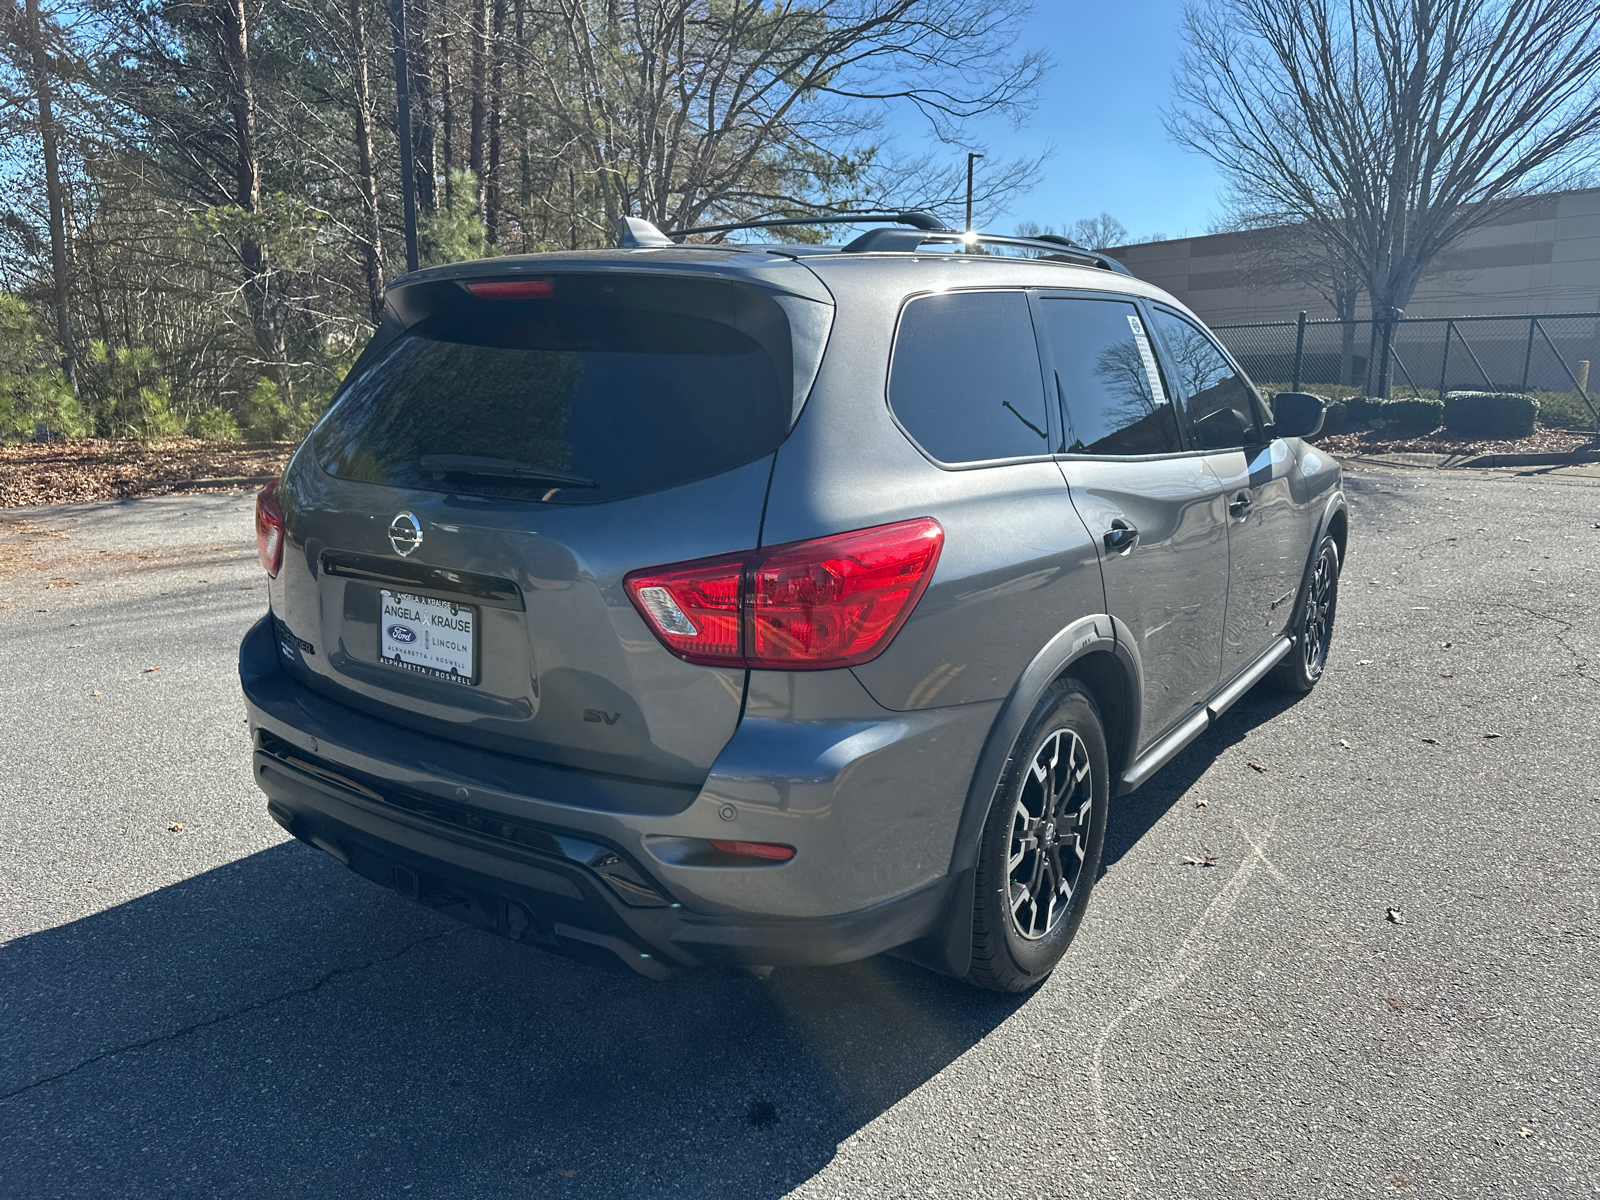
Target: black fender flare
x=949 y=948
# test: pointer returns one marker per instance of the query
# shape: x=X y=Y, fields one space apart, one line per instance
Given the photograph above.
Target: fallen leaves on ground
x=1255 y=766
x=1396 y=1005
x=1209 y=860
x=175 y=827
x=115 y=468
x=1431 y=741
x=1346 y=744
x=565 y=1173
x=1200 y=803
x=1396 y=916
x=61 y=583
x=1493 y=735
x=97 y=693
x=1376 y=441
x=147 y=670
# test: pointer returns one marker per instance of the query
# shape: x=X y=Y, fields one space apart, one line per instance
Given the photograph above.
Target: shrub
x=1411 y=416
x=214 y=425
x=33 y=391
x=1337 y=419
x=1502 y=415
x=1402 y=416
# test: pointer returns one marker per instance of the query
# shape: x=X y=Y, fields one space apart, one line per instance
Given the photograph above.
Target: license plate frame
x=435 y=649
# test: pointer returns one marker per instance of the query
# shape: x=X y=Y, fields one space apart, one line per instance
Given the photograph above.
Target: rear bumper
x=581 y=884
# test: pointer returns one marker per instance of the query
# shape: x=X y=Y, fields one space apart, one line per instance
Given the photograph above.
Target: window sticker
x=1149 y=359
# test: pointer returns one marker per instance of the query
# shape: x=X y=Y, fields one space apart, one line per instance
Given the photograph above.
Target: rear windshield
x=607 y=387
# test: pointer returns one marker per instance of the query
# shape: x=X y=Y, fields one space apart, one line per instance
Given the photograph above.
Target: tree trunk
x=479 y=111
x=493 y=209
x=425 y=168
x=448 y=94
x=233 y=35
x=371 y=236
x=49 y=137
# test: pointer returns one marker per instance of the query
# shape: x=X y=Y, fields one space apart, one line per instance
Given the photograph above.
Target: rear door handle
x=1241 y=506
x=1121 y=537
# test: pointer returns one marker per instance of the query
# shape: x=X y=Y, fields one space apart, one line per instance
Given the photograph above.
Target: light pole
x=971 y=158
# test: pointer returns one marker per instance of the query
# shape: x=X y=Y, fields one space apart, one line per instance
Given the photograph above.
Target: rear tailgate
x=460 y=524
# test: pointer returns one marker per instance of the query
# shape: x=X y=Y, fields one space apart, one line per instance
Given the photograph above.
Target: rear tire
x=1041 y=844
x=1313 y=632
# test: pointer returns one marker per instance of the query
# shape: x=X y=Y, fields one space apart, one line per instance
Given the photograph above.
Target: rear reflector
x=511 y=289
x=832 y=602
x=767 y=850
x=269 y=530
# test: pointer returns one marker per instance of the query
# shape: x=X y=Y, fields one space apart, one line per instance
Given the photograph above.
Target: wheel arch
x=1089 y=651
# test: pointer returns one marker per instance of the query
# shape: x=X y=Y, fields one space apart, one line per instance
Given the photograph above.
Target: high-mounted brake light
x=512 y=289
x=831 y=602
x=269 y=529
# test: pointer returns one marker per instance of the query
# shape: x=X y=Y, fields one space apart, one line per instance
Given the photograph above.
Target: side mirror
x=1298 y=414
x=1223 y=429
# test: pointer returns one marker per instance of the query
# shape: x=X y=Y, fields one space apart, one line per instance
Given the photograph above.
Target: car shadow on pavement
x=278 y=1026
x=1133 y=815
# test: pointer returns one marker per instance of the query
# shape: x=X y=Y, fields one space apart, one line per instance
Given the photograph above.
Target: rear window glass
x=1110 y=383
x=608 y=387
x=965 y=377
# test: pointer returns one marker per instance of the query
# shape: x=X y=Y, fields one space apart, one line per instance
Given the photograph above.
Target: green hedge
x=1502 y=415
x=1402 y=416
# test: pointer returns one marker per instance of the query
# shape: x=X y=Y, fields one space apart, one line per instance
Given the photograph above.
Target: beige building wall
x=1544 y=258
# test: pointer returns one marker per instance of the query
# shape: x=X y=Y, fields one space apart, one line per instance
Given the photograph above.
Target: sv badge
x=594 y=716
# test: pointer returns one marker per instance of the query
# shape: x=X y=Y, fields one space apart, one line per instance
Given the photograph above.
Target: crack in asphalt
x=243 y=1011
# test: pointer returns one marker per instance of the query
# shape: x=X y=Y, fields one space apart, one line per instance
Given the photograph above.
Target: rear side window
x=1110 y=383
x=964 y=381
x=1210 y=383
x=606 y=387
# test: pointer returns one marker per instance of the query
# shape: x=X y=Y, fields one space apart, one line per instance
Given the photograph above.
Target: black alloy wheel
x=1313 y=628
x=1041 y=844
x=1049 y=834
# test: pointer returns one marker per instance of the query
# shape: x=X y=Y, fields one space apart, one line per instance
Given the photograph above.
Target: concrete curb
x=233 y=481
x=1471 y=461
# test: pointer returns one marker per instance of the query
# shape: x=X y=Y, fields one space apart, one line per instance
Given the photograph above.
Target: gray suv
x=774 y=604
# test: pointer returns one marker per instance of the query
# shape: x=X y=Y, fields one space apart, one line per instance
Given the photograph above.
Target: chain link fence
x=1547 y=356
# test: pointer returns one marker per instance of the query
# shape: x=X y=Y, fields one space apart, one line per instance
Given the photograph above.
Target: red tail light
x=269 y=529
x=833 y=602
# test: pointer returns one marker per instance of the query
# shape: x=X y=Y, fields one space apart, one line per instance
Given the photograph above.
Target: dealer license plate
x=428 y=637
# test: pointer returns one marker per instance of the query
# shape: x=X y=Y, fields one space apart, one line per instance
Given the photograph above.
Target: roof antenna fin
x=635 y=233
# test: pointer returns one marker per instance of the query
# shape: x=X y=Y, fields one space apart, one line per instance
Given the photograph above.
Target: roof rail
x=907 y=240
x=913 y=217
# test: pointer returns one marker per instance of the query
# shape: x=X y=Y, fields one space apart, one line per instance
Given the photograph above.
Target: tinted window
x=965 y=377
x=1110 y=383
x=1210 y=383
x=628 y=387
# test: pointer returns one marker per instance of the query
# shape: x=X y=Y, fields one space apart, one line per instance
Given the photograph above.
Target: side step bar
x=1162 y=752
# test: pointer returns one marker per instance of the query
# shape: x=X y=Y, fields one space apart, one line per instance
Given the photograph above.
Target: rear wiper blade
x=500 y=468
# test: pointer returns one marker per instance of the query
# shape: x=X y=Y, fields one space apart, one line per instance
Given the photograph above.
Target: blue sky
x=1101 y=108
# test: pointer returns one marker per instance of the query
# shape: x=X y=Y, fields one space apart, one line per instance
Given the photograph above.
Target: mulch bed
x=1378 y=441
x=117 y=468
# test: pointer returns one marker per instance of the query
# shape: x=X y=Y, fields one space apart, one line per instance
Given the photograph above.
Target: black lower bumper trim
x=563 y=906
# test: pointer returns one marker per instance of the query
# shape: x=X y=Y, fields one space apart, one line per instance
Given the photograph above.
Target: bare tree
x=681 y=109
x=1389 y=129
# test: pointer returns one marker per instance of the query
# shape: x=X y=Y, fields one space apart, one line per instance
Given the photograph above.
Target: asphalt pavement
x=1343 y=946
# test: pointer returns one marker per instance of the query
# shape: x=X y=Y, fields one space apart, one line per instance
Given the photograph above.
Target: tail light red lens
x=269 y=529
x=833 y=602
